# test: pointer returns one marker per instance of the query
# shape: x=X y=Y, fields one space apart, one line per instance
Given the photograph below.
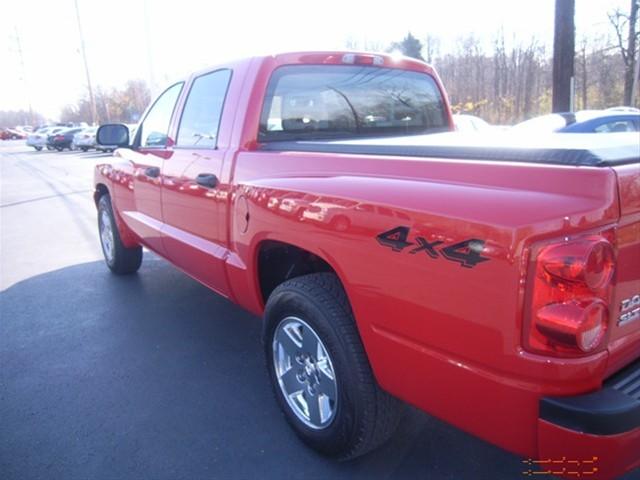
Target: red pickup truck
x=493 y=285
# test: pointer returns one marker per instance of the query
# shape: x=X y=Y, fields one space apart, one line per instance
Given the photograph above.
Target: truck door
x=151 y=146
x=194 y=193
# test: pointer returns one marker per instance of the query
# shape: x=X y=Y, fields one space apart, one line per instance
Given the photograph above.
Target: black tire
x=38 y=148
x=84 y=149
x=59 y=149
x=365 y=416
x=121 y=260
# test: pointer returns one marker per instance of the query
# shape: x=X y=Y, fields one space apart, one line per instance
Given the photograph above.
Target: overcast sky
x=160 y=40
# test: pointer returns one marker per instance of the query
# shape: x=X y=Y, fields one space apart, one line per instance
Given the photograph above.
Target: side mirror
x=113 y=135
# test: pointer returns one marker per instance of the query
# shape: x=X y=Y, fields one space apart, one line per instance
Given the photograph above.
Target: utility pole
x=563 y=55
x=92 y=100
x=152 y=80
x=631 y=73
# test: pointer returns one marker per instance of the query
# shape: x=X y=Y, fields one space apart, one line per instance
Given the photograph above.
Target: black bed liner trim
x=611 y=410
x=602 y=157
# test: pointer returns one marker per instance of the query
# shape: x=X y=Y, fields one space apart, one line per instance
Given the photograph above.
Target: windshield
x=320 y=102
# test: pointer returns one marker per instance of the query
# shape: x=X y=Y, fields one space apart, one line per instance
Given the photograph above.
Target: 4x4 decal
x=466 y=253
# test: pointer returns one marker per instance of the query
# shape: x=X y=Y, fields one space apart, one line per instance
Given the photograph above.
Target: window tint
x=313 y=102
x=202 y=110
x=155 y=128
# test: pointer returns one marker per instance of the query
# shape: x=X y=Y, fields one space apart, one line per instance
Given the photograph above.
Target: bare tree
x=431 y=48
x=627 y=34
x=12 y=118
x=116 y=105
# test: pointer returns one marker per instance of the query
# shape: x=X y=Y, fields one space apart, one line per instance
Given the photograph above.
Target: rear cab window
x=313 y=102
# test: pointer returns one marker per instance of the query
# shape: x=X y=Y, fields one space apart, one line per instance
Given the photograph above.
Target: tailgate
x=624 y=343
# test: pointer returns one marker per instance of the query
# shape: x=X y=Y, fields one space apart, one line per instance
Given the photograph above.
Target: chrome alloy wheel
x=106 y=235
x=305 y=373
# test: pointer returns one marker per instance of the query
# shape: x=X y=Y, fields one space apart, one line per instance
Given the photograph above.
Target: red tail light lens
x=569 y=303
x=587 y=262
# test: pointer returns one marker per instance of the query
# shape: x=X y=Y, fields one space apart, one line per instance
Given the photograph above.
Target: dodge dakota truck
x=493 y=284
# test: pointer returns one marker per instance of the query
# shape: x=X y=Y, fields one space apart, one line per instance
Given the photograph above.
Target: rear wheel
x=320 y=372
x=120 y=259
x=38 y=148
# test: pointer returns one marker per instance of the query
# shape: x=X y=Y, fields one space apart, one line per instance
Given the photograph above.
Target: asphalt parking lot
x=152 y=376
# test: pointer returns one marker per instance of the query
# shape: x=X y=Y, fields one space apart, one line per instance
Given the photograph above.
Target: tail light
x=572 y=284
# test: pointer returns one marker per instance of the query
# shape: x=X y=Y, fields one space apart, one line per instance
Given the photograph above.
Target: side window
x=155 y=127
x=202 y=110
x=616 y=126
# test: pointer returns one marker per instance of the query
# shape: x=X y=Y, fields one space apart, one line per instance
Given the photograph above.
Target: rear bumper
x=59 y=143
x=599 y=430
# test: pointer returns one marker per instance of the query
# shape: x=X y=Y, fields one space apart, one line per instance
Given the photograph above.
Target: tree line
x=509 y=83
x=120 y=105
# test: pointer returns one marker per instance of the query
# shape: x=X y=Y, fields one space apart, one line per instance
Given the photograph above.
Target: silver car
x=38 y=139
x=85 y=139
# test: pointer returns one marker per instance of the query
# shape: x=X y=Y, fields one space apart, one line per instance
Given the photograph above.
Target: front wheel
x=320 y=372
x=120 y=259
x=38 y=148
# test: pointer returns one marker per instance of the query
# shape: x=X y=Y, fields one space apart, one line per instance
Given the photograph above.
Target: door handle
x=208 y=180
x=153 y=172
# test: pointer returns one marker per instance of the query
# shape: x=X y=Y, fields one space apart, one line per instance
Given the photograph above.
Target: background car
x=84 y=139
x=38 y=139
x=610 y=123
x=12 y=134
x=470 y=123
x=62 y=139
x=624 y=108
x=585 y=121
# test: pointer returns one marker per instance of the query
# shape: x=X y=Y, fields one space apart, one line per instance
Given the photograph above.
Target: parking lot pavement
x=152 y=376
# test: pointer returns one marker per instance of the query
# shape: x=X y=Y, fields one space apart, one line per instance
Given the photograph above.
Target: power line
x=24 y=75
